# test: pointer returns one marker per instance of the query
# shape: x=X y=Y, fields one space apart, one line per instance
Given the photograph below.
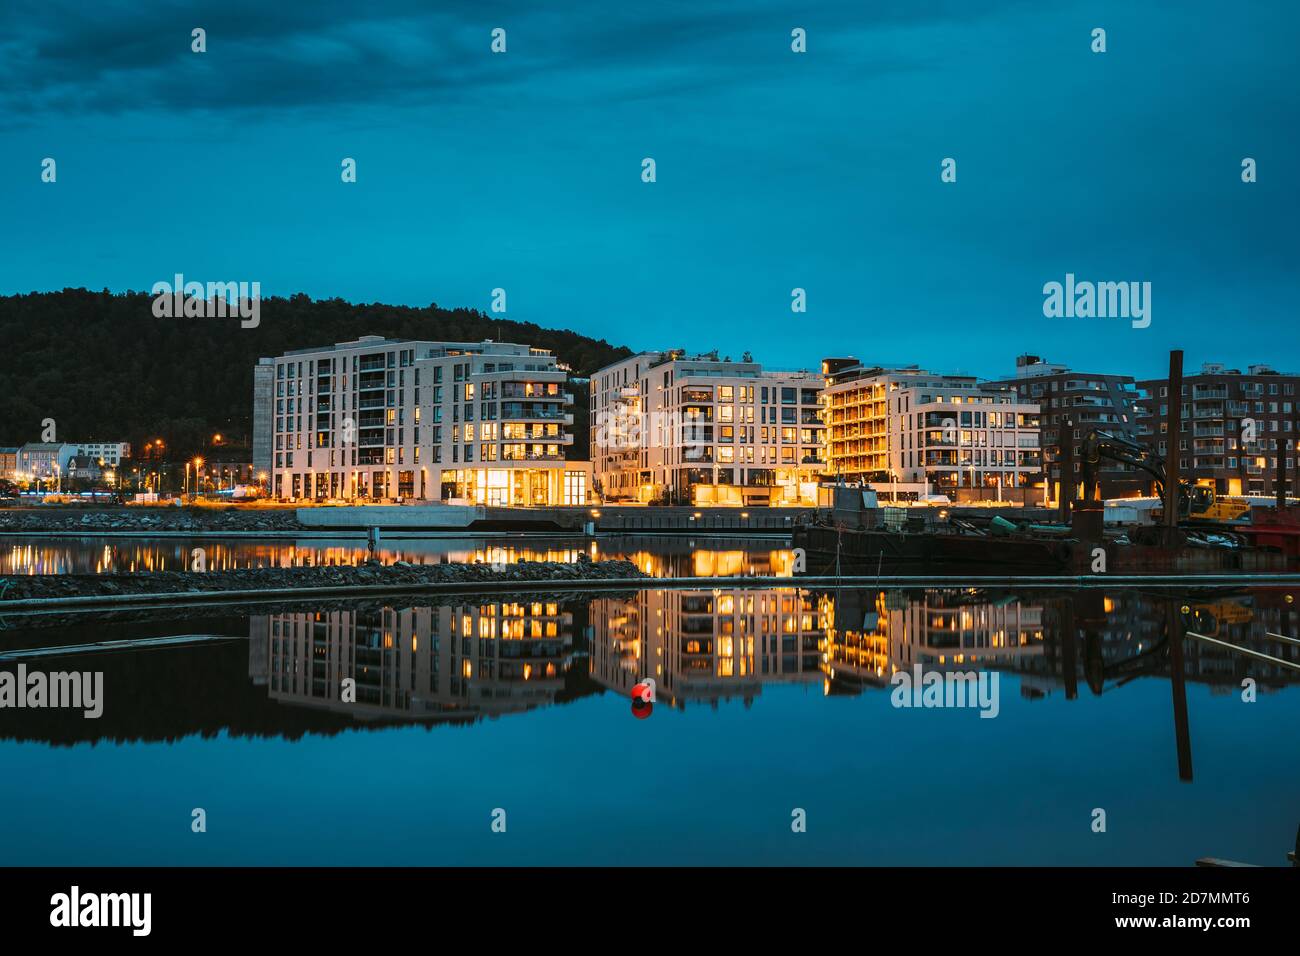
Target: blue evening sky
x=775 y=170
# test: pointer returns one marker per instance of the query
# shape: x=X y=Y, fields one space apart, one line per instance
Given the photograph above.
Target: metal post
x=1280 y=481
x=1182 y=734
x=1065 y=456
x=1174 y=419
x=1069 y=654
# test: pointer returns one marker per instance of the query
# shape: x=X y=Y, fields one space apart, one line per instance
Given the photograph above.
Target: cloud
x=69 y=58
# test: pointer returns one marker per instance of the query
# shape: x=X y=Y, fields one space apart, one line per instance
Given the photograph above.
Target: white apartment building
x=666 y=426
x=908 y=425
x=43 y=460
x=382 y=419
x=109 y=452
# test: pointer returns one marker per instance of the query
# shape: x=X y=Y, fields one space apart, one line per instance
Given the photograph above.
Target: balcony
x=514 y=412
x=529 y=456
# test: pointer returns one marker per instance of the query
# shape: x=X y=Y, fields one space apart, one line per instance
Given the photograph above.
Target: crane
x=1098 y=444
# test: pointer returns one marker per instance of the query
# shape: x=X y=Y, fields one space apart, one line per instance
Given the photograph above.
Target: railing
x=520 y=414
x=532 y=457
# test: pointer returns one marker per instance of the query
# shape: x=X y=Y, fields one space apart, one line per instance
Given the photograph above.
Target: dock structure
x=630 y=519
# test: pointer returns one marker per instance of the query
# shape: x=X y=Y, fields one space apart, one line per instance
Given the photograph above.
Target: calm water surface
x=768 y=700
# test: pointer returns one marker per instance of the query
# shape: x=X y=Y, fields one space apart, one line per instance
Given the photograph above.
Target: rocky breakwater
x=370 y=574
x=137 y=519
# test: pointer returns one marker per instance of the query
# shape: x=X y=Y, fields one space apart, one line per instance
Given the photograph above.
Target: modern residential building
x=264 y=419
x=8 y=463
x=1234 y=426
x=106 y=452
x=381 y=419
x=910 y=427
x=38 y=461
x=1091 y=400
x=666 y=426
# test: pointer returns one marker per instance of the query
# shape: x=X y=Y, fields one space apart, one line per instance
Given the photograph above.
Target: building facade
x=106 y=452
x=1090 y=400
x=264 y=419
x=911 y=426
x=8 y=463
x=86 y=468
x=666 y=426
x=40 y=461
x=379 y=419
x=1234 y=426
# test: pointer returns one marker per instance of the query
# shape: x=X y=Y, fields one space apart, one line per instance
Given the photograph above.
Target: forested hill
x=105 y=368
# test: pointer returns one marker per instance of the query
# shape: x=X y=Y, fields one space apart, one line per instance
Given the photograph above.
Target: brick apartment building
x=1092 y=400
x=1235 y=424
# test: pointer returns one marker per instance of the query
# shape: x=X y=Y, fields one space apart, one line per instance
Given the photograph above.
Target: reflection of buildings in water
x=421 y=662
x=138 y=557
x=660 y=557
x=1121 y=635
x=1117 y=637
x=873 y=634
x=706 y=645
x=677 y=557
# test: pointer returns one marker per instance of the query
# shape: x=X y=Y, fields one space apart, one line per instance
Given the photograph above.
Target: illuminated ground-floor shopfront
x=796 y=485
x=737 y=487
x=517 y=487
x=568 y=483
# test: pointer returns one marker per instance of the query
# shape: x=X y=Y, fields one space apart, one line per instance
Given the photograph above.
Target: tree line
x=106 y=369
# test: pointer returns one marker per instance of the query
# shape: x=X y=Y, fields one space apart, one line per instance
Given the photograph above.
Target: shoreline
x=403 y=535
x=501 y=583
x=46 y=590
